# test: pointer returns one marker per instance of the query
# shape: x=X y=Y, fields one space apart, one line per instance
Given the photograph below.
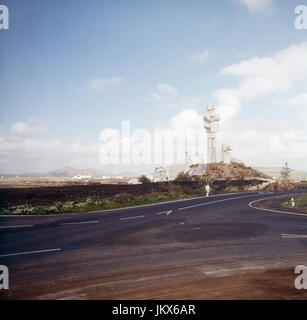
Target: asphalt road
x=143 y=252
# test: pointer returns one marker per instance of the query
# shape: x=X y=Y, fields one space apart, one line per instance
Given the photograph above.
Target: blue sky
x=70 y=69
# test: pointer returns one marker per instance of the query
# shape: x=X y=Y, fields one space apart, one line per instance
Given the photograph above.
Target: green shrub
x=144 y=179
x=181 y=176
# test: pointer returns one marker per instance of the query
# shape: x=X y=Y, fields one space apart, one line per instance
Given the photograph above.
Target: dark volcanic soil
x=49 y=195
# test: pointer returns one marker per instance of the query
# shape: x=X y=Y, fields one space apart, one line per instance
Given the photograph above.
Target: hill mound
x=234 y=170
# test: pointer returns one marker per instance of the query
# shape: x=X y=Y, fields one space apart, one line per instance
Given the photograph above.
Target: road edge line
x=275 y=211
x=29 y=252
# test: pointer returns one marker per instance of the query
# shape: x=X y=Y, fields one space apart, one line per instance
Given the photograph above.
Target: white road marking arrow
x=165 y=212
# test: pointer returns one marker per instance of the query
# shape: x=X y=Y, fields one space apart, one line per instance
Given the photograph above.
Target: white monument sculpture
x=226 y=153
x=212 y=127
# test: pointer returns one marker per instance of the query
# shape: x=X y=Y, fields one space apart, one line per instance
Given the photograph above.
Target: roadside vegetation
x=285 y=172
x=95 y=203
x=300 y=204
x=74 y=199
x=144 y=179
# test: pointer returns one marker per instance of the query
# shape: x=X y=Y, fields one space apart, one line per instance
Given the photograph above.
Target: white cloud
x=23 y=129
x=154 y=97
x=166 y=96
x=186 y=119
x=24 y=149
x=200 y=58
x=298 y=101
x=267 y=148
x=274 y=149
x=172 y=105
x=256 y=145
x=256 y=5
x=261 y=144
x=167 y=89
x=35 y=119
x=163 y=145
x=20 y=154
x=103 y=83
x=262 y=76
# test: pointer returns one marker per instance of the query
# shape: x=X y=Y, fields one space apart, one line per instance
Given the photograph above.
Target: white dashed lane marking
x=21 y=226
x=294 y=236
x=29 y=252
x=79 y=222
x=128 y=218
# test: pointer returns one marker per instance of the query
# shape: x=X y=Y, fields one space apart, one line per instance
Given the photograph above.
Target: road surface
x=203 y=248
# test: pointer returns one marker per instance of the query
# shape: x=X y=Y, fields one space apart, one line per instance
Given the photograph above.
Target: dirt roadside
x=268 y=284
x=259 y=285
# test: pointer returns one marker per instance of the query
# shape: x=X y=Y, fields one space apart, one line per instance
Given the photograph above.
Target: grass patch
x=233 y=189
x=300 y=204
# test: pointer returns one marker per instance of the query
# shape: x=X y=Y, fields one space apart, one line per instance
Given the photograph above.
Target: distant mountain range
x=63 y=172
x=69 y=172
